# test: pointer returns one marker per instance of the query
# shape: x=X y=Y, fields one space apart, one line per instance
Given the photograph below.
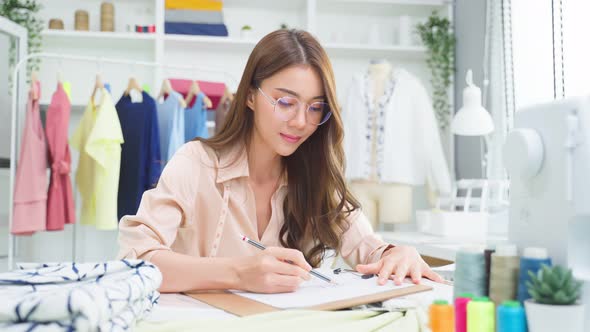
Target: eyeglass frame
x=274 y=103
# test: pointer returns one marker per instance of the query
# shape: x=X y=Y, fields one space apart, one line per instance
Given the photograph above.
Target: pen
x=312 y=272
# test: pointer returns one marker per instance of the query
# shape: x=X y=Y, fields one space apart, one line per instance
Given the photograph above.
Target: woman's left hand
x=401 y=261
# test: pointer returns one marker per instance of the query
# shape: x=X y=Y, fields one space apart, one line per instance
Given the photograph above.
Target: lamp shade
x=472 y=119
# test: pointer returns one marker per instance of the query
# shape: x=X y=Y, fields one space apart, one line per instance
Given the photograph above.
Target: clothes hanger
x=59 y=75
x=193 y=91
x=34 y=80
x=132 y=85
x=98 y=85
x=167 y=89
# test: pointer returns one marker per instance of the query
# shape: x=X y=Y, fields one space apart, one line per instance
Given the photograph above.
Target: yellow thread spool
x=442 y=317
x=480 y=315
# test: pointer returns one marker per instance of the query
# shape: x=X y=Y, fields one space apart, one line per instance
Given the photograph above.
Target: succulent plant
x=554 y=285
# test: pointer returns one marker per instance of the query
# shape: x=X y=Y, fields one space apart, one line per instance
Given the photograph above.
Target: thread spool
x=461 y=311
x=469 y=276
x=504 y=274
x=442 y=317
x=487 y=254
x=480 y=315
x=107 y=17
x=531 y=260
x=511 y=317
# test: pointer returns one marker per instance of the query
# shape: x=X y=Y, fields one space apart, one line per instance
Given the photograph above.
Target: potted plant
x=25 y=13
x=554 y=305
x=246 y=32
x=437 y=35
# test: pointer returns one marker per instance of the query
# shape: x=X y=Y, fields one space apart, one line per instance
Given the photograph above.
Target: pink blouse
x=30 y=191
x=203 y=203
x=60 y=202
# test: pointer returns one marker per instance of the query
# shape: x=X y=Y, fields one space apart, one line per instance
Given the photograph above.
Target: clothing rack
x=15 y=115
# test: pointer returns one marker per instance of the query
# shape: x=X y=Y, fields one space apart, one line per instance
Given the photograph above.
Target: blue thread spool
x=470 y=276
x=531 y=260
x=511 y=317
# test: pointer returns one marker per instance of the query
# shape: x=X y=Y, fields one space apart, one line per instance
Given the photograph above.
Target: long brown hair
x=318 y=200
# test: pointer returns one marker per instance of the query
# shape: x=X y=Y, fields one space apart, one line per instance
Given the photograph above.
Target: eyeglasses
x=286 y=108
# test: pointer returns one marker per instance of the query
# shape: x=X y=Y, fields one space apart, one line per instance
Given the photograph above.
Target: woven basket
x=56 y=24
x=81 y=20
x=107 y=17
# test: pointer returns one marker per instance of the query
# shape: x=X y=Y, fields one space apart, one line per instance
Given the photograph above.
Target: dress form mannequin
x=383 y=203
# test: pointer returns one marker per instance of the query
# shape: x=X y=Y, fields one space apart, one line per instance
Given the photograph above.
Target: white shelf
x=332 y=48
x=210 y=40
x=67 y=34
x=209 y=43
x=394 y=2
x=367 y=49
x=267 y=4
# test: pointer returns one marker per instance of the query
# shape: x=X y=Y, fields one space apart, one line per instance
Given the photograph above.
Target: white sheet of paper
x=315 y=291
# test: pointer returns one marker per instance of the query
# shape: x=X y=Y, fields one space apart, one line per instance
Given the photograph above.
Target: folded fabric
x=194 y=4
x=108 y=296
x=194 y=16
x=181 y=28
x=299 y=320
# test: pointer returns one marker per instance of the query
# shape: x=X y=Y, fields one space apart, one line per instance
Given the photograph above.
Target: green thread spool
x=480 y=315
x=470 y=272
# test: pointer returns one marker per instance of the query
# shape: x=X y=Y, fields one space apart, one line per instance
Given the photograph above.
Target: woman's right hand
x=269 y=272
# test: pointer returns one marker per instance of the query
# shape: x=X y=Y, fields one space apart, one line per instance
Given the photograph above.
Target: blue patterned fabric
x=110 y=296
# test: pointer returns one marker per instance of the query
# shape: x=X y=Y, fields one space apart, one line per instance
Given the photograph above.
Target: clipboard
x=242 y=306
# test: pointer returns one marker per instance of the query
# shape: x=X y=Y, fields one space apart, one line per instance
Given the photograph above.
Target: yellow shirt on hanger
x=98 y=138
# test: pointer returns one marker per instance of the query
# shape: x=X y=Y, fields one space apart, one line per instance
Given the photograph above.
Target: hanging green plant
x=24 y=13
x=437 y=36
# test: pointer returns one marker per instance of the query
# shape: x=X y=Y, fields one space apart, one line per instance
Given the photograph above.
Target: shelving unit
x=342 y=26
x=51 y=35
x=329 y=20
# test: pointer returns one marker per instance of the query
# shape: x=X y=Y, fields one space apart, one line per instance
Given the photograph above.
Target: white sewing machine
x=547 y=155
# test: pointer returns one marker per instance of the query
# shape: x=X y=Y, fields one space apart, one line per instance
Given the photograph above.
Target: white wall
x=4 y=98
x=576 y=48
x=532 y=44
x=469 y=31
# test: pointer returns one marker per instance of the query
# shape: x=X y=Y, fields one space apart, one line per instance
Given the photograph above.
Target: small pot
x=551 y=318
x=246 y=34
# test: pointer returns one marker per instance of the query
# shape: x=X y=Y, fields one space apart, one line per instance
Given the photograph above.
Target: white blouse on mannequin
x=409 y=150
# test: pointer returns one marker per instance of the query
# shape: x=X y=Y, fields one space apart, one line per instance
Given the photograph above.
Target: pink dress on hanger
x=30 y=191
x=60 y=202
x=213 y=90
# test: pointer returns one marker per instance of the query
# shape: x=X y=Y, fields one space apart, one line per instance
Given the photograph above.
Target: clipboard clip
x=363 y=276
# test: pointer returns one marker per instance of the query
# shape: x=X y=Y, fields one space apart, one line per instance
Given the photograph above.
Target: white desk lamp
x=472 y=119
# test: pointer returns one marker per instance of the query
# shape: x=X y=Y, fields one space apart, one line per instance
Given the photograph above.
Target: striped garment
x=110 y=296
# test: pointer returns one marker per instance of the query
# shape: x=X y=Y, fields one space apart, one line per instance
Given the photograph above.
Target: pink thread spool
x=461 y=311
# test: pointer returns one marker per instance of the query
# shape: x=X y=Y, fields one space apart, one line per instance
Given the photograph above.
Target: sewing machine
x=547 y=156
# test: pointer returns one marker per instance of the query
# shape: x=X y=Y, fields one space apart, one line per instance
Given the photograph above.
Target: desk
x=437 y=246
x=174 y=307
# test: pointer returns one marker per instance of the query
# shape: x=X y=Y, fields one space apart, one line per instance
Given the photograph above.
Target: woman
x=273 y=173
